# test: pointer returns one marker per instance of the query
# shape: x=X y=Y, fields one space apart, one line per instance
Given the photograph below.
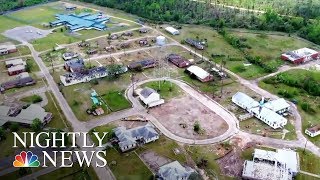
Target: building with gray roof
x=24 y=116
x=150 y=97
x=131 y=138
x=174 y=171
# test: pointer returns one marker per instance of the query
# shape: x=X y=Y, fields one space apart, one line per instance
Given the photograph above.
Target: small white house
x=313 y=131
x=172 y=30
x=150 y=97
x=279 y=106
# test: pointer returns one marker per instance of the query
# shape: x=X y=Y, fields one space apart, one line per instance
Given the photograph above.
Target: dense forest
x=217 y=16
x=191 y=12
x=303 y=8
x=6 y=5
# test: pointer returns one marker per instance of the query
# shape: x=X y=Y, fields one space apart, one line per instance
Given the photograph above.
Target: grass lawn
x=33 y=66
x=53 y=39
x=304 y=177
x=59 y=120
x=309 y=162
x=164 y=147
x=78 y=96
x=270 y=47
x=116 y=100
x=301 y=96
x=105 y=128
x=255 y=126
x=35 y=16
x=75 y=172
x=32 y=99
x=128 y=165
x=167 y=89
x=8 y=23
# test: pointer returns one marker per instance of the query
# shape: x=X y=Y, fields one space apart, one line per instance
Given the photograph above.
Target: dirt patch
x=231 y=164
x=154 y=160
x=179 y=115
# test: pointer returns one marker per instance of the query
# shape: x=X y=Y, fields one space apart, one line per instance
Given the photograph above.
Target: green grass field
x=128 y=165
x=32 y=99
x=167 y=89
x=116 y=100
x=301 y=96
x=105 y=128
x=35 y=16
x=78 y=96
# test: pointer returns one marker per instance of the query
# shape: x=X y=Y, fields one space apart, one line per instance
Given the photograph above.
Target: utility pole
x=132 y=82
x=305 y=146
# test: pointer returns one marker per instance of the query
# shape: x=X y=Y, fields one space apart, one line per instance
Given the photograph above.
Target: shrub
x=307 y=108
x=196 y=127
x=14 y=127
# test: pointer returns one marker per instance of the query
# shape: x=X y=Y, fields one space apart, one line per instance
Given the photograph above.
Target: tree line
x=191 y=12
x=7 y=5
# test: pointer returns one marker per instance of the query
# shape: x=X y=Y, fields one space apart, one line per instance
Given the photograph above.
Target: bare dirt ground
x=231 y=164
x=185 y=111
x=154 y=160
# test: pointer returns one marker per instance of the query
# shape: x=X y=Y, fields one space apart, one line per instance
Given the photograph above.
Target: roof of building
x=128 y=136
x=16 y=68
x=146 y=92
x=82 y=20
x=26 y=116
x=174 y=171
x=171 y=29
x=314 y=129
x=18 y=82
x=245 y=100
x=143 y=63
x=75 y=63
x=277 y=105
x=271 y=165
x=15 y=62
x=299 y=53
x=7 y=46
x=269 y=115
x=199 y=72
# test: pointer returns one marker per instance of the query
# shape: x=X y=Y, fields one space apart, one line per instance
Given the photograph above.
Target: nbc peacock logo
x=26 y=159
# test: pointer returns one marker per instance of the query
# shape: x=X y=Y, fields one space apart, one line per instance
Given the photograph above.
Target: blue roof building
x=77 y=22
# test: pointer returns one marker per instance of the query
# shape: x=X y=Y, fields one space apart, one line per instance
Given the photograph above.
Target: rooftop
x=146 y=92
x=174 y=171
x=314 y=129
x=199 y=72
x=299 y=53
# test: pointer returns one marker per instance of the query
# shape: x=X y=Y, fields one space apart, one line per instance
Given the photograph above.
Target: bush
x=14 y=127
x=307 y=108
x=285 y=93
x=196 y=127
x=240 y=68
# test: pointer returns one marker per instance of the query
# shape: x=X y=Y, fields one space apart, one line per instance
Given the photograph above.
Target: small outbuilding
x=313 y=131
x=172 y=30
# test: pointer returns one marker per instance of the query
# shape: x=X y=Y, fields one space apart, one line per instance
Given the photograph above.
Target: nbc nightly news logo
x=63 y=158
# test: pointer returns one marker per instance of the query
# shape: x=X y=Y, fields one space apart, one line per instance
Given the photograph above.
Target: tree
x=114 y=70
x=14 y=126
x=36 y=125
x=196 y=126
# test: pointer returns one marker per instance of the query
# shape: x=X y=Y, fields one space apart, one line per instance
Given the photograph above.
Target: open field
x=179 y=116
x=166 y=89
x=128 y=165
x=303 y=98
x=116 y=100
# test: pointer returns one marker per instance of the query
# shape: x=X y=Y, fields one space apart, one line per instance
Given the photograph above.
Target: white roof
x=263 y=154
x=277 y=105
x=15 y=62
x=299 y=53
x=269 y=115
x=290 y=158
x=16 y=68
x=171 y=29
x=245 y=100
x=199 y=72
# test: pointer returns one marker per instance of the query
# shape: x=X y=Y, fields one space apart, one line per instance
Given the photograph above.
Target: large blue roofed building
x=77 y=22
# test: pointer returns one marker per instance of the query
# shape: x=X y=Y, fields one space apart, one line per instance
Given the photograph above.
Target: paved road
x=102 y=173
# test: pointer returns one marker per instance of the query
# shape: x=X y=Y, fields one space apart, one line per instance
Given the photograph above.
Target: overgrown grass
x=32 y=99
x=116 y=100
x=166 y=89
x=309 y=116
x=127 y=165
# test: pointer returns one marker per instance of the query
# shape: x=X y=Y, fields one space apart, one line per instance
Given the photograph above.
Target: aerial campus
x=175 y=100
